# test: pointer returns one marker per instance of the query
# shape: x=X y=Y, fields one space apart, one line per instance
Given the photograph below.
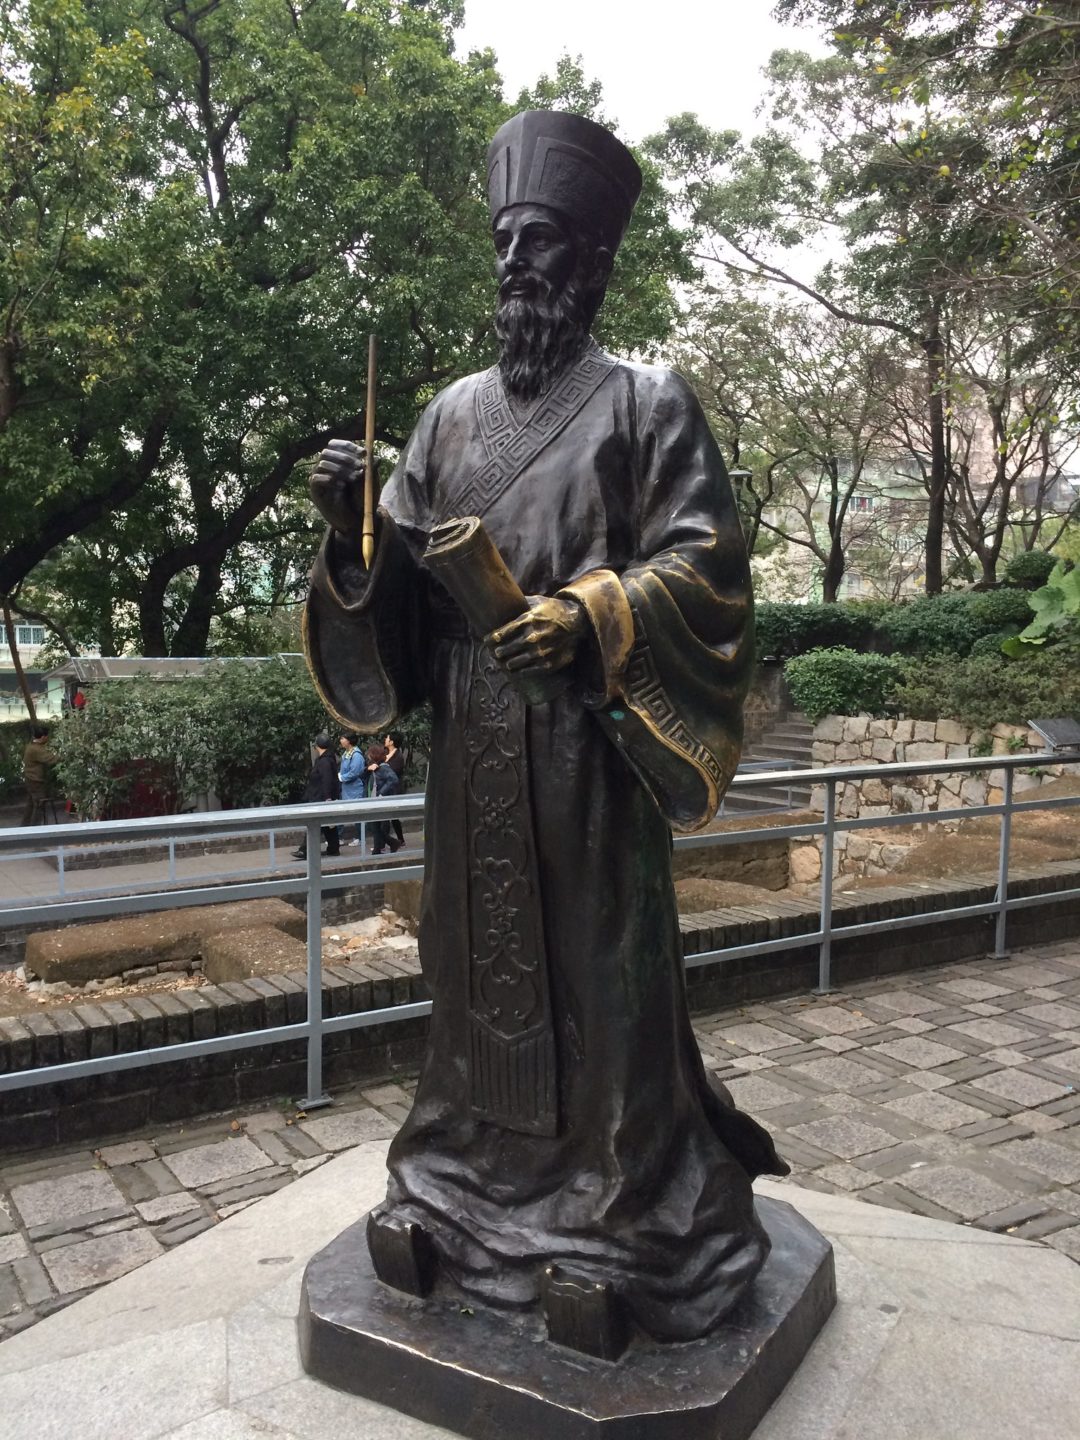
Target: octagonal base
x=487 y=1375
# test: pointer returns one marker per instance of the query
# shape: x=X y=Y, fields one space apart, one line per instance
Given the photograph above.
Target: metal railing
x=315 y=882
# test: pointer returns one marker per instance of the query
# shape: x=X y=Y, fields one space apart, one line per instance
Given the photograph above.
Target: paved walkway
x=953 y=1093
x=941 y=1332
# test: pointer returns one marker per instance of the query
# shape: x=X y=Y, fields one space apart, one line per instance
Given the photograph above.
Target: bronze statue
x=566 y=1147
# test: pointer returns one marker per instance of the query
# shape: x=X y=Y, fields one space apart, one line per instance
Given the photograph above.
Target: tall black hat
x=547 y=157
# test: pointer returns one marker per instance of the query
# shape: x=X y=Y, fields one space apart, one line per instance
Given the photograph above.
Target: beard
x=541 y=334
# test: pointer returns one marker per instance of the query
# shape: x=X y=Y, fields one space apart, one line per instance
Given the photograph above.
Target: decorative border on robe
x=512 y=447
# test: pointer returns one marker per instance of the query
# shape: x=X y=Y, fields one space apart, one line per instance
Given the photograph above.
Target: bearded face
x=546 y=304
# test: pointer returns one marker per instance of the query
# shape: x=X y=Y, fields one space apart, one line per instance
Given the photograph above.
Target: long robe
x=563 y=1113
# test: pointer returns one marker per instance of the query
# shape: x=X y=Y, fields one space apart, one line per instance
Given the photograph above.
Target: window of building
x=863 y=503
x=28 y=635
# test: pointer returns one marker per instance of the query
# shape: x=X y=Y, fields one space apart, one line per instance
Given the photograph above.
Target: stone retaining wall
x=862 y=740
x=77 y=1111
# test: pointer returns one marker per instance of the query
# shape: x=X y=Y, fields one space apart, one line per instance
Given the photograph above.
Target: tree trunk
x=939 y=465
x=193 y=633
x=833 y=574
x=152 y=613
x=20 y=676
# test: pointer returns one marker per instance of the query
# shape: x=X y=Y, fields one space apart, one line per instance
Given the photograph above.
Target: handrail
x=314 y=881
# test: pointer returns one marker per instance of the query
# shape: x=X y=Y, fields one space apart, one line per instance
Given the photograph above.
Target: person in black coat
x=322 y=784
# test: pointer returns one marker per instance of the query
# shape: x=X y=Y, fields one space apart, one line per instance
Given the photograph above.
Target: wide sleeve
x=365 y=634
x=674 y=632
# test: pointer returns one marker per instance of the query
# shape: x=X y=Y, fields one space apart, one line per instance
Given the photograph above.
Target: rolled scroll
x=465 y=560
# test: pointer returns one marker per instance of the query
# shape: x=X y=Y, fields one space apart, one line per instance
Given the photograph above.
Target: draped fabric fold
x=563 y=1113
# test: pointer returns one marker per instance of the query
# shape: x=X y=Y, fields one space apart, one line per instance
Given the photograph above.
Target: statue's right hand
x=337 y=486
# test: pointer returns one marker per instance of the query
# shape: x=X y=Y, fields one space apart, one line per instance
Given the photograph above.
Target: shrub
x=14 y=737
x=1029 y=569
x=991 y=644
x=840 y=681
x=784 y=630
x=986 y=690
x=992 y=610
x=152 y=746
x=262 y=719
x=929 y=625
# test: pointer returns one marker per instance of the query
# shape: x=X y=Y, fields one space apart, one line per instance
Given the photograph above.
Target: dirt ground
x=1037 y=837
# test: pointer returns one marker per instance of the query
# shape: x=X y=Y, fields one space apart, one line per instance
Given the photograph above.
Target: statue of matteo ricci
x=564 y=1125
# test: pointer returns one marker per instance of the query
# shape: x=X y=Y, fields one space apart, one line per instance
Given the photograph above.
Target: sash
x=511 y=1043
x=512 y=447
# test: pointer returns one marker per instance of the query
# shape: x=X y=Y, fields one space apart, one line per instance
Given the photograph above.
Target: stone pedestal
x=489 y=1376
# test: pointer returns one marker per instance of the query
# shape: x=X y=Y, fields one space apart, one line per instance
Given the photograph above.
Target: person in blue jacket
x=352 y=773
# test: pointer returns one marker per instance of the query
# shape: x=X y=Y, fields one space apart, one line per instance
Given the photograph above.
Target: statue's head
x=561 y=191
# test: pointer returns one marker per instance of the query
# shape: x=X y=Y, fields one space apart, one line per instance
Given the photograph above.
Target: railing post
x=316 y=1096
x=824 y=985
x=60 y=869
x=1002 y=897
x=273 y=858
x=172 y=860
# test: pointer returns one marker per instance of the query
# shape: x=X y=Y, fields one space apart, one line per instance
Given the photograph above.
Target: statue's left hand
x=542 y=639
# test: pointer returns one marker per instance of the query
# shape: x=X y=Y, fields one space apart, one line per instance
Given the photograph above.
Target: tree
x=270 y=182
x=901 y=185
x=804 y=395
x=1011 y=69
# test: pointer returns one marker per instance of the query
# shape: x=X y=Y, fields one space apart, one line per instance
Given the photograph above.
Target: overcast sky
x=654 y=60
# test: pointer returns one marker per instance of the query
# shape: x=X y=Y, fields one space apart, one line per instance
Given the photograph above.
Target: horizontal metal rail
x=313 y=881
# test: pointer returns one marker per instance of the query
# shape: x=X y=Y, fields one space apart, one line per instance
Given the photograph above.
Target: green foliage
x=204 y=209
x=784 y=630
x=261 y=720
x=1057 y=612
x=140 y=744
x=14 y=737
x=242 y=731
x=927 y=625
x=949 y=624
x=986 y=690
x=1029 y=569
x=840 y=681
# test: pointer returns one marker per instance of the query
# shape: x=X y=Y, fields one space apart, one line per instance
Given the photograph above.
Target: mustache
x=526 y=284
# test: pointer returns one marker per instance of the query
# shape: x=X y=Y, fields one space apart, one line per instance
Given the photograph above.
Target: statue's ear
x=602 y=263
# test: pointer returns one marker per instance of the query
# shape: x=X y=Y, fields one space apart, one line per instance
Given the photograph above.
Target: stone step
x=799 y=755
x=797 y=796
x=738 y=801
x=789 y=730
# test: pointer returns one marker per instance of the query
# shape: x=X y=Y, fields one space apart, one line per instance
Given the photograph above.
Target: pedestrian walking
x=395 y=758
x=383 y=782
x=352 y=772
x=322 y=784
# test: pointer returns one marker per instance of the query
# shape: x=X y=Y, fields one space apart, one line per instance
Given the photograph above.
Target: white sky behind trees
x=653 y=59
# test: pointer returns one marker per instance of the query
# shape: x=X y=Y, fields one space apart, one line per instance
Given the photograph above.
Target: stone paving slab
x=954 y=1095
x=941 y=1332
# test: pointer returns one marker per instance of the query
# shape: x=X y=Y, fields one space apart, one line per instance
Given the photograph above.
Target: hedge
x=980 y=690
x=986 y=690
x=1030 y=569
x=928 y=625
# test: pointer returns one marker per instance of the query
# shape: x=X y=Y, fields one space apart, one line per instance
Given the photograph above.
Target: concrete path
x=952 y=1093
x=940 y=1333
